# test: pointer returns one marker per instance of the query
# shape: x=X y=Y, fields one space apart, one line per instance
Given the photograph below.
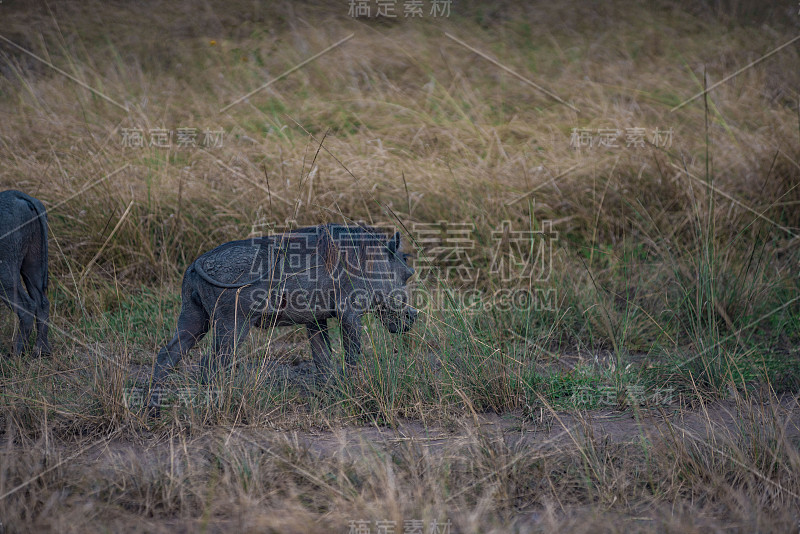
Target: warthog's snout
x=399 y=322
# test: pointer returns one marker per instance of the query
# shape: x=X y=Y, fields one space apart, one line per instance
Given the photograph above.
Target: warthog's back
x=233 y=264
x=246 y=262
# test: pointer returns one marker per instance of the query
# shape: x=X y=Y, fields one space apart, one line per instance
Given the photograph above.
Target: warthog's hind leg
x=20 y=303
x=192 y=326
x=35 y=280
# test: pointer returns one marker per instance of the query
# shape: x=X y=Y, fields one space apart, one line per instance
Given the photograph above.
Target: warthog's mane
x=349 y=247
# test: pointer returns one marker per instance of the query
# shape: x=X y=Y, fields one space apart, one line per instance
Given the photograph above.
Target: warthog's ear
x=394 y=243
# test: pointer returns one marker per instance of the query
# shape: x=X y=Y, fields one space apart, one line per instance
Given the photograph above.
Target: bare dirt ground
x=514 y=437
x=545 y=432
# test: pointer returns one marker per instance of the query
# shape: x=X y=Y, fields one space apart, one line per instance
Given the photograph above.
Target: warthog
x=23 y=257
x=305 y=277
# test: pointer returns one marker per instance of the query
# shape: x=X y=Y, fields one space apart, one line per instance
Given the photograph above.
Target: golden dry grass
x=675 y=266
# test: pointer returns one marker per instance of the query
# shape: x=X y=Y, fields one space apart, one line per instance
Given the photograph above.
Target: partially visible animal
x=306 y=277
x=23 y=258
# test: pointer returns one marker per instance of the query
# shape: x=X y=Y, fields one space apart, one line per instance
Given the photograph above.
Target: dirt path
x=558 y=431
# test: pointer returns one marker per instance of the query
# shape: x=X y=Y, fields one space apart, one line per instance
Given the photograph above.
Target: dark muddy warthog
x=306 y=277
x=23 y=257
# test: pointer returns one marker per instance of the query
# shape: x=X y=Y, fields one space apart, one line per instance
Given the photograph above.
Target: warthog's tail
x=41 y=214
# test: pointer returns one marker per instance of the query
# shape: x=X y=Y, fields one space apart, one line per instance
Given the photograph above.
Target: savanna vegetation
x=651 y=386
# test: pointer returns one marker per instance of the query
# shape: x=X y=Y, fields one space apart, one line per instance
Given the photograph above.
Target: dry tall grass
x=675 y=266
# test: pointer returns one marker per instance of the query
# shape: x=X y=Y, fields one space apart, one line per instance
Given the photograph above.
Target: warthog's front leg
x=320 y=348
x=351 y=337
x=228 y=335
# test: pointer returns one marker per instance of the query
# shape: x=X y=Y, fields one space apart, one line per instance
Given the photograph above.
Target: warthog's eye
x=405 y=256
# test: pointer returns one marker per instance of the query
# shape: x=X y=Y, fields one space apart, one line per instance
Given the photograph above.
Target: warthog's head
x=392 y=301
